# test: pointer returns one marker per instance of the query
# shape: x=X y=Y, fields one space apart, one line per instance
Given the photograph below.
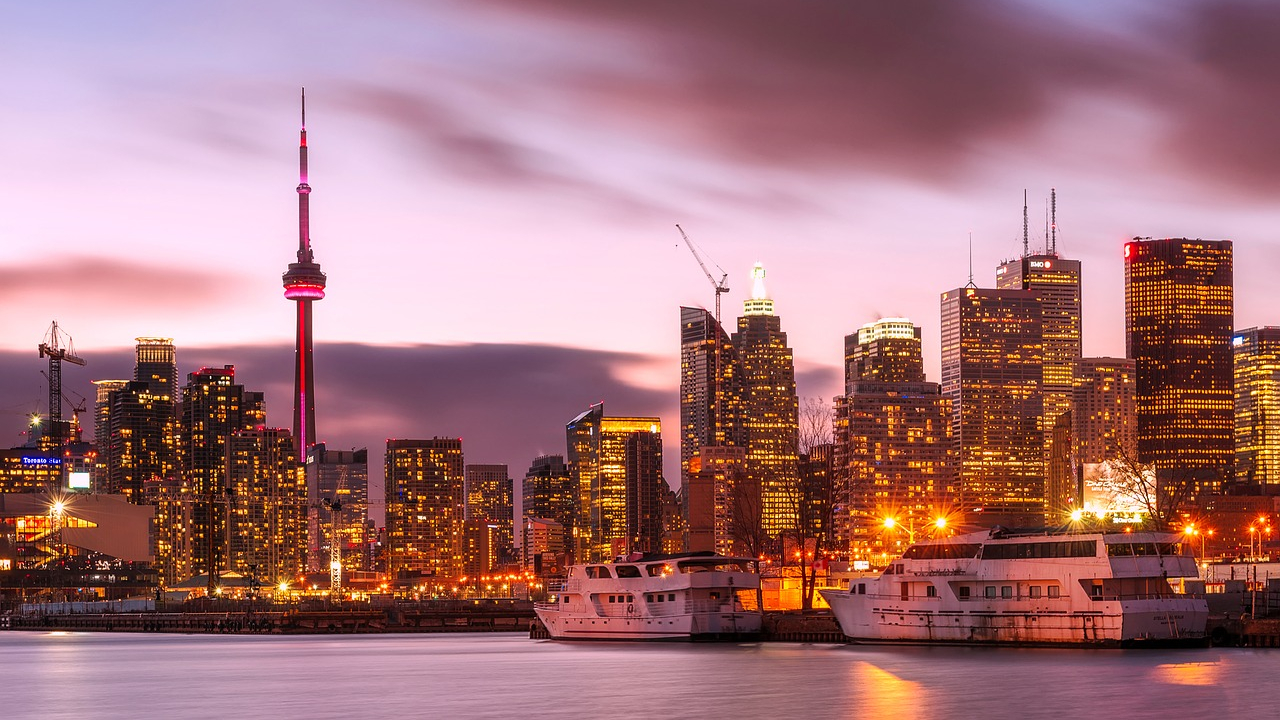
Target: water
x=105 y=675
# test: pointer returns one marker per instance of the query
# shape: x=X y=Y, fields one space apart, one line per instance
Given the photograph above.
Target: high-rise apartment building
x=490 y=493
x=894 y=453
x=214 y=407
x=425 y=501
x=1055 y=282
x=157 y=366
x=1178 y=329
x=1257 y=406
x=991 y=371
x=266 y=524
x=550 y=491
x=719 y=507
x=616 y=463
x=136 y=422
x=770 y=406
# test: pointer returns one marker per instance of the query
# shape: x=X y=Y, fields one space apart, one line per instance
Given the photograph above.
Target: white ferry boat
x=1007 y=587
x=680 y=597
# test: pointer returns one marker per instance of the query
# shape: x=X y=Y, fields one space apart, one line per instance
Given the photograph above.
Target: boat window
x=631 y=598
x=1034 y=591
x=930 y=591
x=888 y=570
x=1144 y=549
x=1006 y=591
x=906 y=591
x=658 y=570
x=989 y=591
x=1040 y=550
x=566 y=599
x=1053 y=591
x=672 y=597
x=714 y=595
x=598 y=571
x=964 y=592
x=627 y=571
x=862 y=588
x=942 y=551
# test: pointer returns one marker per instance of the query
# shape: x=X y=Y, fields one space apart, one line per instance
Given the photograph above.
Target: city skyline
x=854 y=221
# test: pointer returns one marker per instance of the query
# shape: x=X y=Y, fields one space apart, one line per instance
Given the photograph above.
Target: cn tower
x=304 y=284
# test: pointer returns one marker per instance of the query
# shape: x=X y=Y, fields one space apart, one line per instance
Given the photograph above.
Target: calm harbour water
x=104 y=675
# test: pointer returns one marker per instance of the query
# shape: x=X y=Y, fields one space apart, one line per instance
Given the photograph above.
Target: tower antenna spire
x=1053 y=223
x=304 y=283
x=971 y=283
x=1025 y=240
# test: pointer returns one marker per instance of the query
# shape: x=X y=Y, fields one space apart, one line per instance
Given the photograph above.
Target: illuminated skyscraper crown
x=759 y=304
x=900 y=328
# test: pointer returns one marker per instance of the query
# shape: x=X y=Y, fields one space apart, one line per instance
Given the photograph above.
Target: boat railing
x=709 y=606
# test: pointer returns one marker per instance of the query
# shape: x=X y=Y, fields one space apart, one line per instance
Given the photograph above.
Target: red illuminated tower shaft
x=304 y=284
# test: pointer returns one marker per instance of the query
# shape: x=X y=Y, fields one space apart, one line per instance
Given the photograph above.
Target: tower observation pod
x=304 y=284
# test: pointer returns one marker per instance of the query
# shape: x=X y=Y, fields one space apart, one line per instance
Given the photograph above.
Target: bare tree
x=1162 y=495
x=746 y=523
x=810 y=494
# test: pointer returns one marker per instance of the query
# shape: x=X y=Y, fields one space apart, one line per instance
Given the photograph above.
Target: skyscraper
x=425 y=500
x=770 y=406
x=710 y=387
x=894 y=455
x=490 y=499
x=616 y=463
x=1055 y=282
x=304 y=284
x=214 y=407
x=1257 y=405
x=266 y=529
x=136 y=421
x=1178 y=328
x=991 y=372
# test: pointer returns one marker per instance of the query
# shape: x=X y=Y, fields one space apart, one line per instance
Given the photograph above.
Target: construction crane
x=721 y=287
x=57 y=351
x=335 y=538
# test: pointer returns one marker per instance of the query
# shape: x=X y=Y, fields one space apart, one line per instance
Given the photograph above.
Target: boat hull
x=704 y=627
x=1165 y=621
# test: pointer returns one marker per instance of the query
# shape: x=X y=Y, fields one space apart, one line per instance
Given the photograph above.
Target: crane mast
x=335 y=540
x=57 y=351
x=720 y=287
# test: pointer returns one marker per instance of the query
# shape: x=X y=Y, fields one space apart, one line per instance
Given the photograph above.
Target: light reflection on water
x=81 y=675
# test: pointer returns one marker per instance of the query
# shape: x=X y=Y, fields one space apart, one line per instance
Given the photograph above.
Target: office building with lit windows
x=894 y=454
x=1178 y=329
x=549 y=491
x=991 y=373
x=1256 y=353
x=266 y=520
x=616 y=463
x=1055 y=282
x=770 y=406
x=425 y=505
x=1104 y=415
x=887 y=350
x=214 y=408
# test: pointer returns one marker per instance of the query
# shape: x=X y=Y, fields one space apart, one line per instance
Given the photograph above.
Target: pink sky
x=510 y=172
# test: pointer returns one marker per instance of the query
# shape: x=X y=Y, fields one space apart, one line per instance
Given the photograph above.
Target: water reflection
x=884 y=694
x=1188 y=673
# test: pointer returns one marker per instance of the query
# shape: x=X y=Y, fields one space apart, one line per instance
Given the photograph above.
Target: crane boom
x=721 y=288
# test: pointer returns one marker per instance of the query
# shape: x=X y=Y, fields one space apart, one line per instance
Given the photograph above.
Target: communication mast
x=57 y=351
x=721 y=287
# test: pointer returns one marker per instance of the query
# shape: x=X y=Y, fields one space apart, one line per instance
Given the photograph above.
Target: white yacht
x=1008 y=587
x=681 y=597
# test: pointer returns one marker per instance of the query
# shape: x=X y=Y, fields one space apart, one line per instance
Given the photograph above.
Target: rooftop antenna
x=971 y=283
x=1053 y=226
x=1025 y=243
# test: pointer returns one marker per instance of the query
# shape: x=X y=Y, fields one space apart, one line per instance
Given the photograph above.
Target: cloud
x=465 y=144
x=107 y=280
x=914 y=87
